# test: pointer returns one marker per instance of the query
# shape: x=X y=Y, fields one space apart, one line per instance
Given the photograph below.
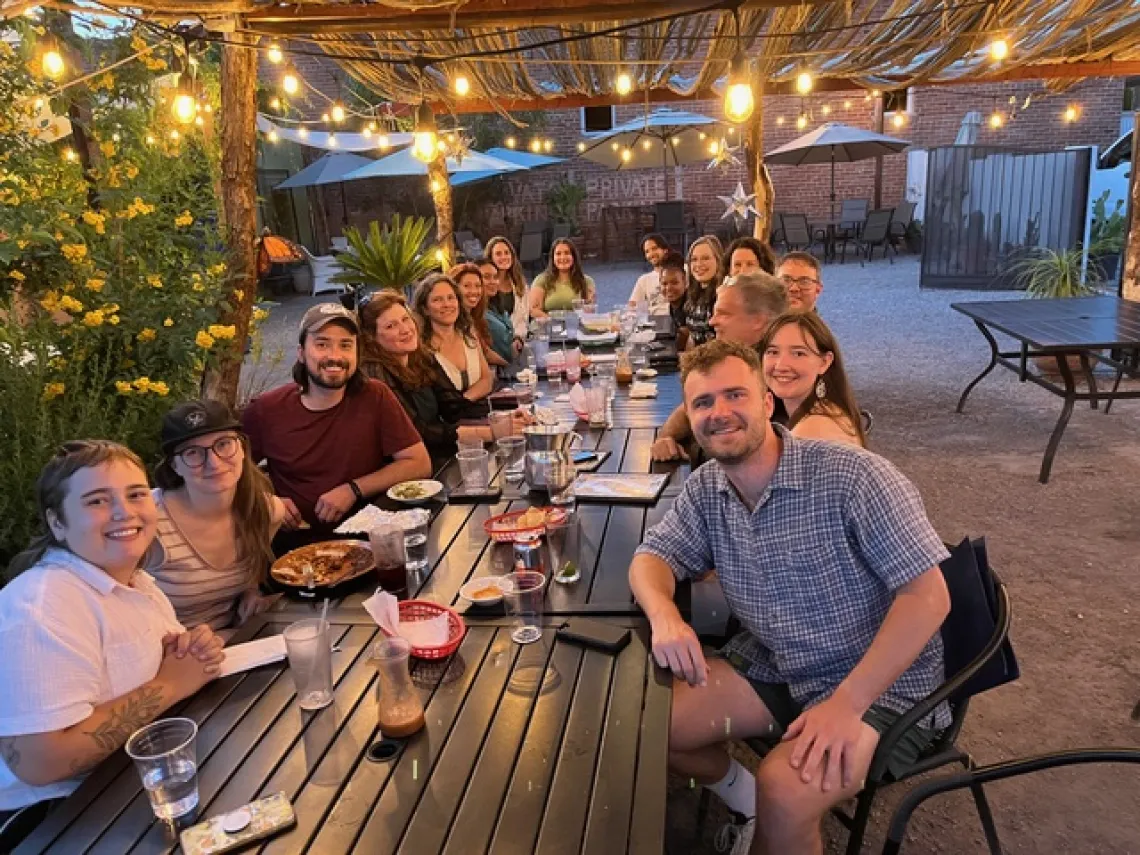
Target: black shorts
x=777 y=697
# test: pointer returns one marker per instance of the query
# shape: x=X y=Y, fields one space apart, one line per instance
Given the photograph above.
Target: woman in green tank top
x=563 y=282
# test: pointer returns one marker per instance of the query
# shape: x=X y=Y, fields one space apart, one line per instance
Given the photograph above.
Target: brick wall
x=617 y=206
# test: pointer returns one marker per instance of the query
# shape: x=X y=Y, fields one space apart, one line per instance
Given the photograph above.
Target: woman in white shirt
x=216 y=518
x=449 y=336
x=647 y=289
x=92 y=649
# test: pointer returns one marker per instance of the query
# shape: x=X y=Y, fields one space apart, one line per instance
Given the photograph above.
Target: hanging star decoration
x=724 y=157
x=460 y=147
x=739 y=204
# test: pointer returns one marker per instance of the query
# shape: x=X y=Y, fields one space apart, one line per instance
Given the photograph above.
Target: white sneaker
x=735 y=839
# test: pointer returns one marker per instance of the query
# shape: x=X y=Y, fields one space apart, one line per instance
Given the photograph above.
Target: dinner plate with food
x=324 y=565
x=414 y=492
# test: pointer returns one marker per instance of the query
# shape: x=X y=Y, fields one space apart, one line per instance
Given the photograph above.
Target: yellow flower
x=110 y=307
x=123 y=387
x=147 y=334
x=95 y=285
x=131 y=171
x=22 y=244
x=137 y=43
x=58 y=363
x=93 y=319
x=169 y=322
x=204 y=340
x=184 y=219
x=53 y=390
x=142 y=384
x=239 y=295
x=154 y=280
x=113 y=320
x=218 y=269
x=17 y=275
x=260 y=315
x=219 y=331
x=198 y=286
x=108 y=148
x=96 y=220
x=50 y=300
x=70 y=304
x=74 y=252
x=159 y=388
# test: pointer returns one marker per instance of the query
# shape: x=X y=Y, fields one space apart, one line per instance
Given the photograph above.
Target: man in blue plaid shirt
x=828 y=561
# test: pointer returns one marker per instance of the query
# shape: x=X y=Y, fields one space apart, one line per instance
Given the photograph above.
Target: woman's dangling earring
x=820 y=389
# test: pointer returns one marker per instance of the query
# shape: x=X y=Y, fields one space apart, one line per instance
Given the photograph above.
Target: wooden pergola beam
x=1041 y=71
x=344 y=18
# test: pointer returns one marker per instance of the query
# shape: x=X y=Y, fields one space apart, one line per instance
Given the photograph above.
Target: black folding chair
x=852 y=214
x=530 y=251
x=671 y=221
x=900 y=221
x=977 y=652
x=876 y=232
x=797 y=234
x=974 y=778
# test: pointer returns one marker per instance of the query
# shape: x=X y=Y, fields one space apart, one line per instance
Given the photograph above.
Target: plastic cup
x=512 y=450
x=310 y=662
x=597 y=397
x=473 y=468
x=502 y=424
x=524 y=591
x=165 y=755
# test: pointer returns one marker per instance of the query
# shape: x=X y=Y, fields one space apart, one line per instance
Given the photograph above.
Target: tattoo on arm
x=132 y=712
x=10 y=753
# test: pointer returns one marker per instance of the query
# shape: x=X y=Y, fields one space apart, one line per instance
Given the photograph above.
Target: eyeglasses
x=799 y=283
x=195 y=456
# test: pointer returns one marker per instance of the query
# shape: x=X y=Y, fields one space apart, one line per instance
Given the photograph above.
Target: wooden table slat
x=647 y=828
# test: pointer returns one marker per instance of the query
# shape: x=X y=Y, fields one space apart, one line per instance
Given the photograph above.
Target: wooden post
x=1130 y=279
x=239 y=206
x=880 y=103
x=440 y=188
x=757 y=172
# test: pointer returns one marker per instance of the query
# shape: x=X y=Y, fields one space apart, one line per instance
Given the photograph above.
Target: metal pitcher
x=545 y=445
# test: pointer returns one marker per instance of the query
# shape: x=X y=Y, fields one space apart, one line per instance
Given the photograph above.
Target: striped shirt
x=199 y=592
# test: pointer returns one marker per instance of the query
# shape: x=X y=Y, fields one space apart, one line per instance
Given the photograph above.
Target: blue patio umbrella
x=331 y=168
x=525 y=159
x=404 y=163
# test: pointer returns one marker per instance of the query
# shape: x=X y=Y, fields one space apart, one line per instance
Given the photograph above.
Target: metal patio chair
x=531 y=255
x=852 y=214
x=797 y=234
x=876 y=232
x=900 y=221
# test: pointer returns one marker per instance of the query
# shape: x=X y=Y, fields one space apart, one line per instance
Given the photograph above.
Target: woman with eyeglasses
x=216 y=518
x=704 y=278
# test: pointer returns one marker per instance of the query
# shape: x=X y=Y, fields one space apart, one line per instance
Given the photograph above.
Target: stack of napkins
x=643 y=390
x=252 y=654
x=370 y=517
x=385 y=610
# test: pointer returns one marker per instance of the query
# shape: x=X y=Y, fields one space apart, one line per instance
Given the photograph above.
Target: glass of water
x=166 y=757
x=415 y=539
x=524 y=591
x=560 y=475
x=473 y=468
x=512 y=451
x=310 y=662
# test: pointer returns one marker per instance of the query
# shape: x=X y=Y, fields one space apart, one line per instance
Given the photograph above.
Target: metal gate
x=985 y=206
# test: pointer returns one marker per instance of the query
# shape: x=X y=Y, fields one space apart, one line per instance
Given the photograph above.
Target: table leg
x=993 y=363
x=1062 y=421
x=1087 y=369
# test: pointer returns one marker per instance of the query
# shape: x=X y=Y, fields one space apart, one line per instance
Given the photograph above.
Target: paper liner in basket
x=385 y=610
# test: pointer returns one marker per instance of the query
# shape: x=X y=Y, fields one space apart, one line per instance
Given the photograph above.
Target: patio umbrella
x=331 y=168
x=663 y=138
x=1117 y=153
x=835 y=143
x=405 y=163
x=334 y=141
x=521 y=158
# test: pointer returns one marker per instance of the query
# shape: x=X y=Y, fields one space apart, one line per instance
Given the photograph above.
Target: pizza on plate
x=322 y=564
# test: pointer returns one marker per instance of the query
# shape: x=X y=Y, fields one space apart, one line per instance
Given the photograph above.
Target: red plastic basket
x=413 y=610
x=509 y=535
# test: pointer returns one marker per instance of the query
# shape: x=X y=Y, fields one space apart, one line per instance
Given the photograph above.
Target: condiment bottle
x=399 y=711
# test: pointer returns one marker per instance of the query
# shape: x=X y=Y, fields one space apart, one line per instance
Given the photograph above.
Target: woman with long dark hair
x=217 y=516
x=449 y=335
x=511 y=299
x=704 y=262
x=92 y=648
x=499 y=325
x=395 y=355
x=474 y=299
x=804 y=369
x=562 y=282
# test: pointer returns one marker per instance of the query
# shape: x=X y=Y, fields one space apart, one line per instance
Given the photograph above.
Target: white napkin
x=526 y=376
x=385 y=610
x=643 y=390
x=252 y=654
x=370 y=517
x=643 y=337
x=577 y=400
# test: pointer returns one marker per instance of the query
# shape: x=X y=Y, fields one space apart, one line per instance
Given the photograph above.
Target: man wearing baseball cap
x=333 y=438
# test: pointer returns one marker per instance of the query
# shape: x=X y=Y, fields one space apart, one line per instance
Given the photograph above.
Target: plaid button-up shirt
x=812 y=571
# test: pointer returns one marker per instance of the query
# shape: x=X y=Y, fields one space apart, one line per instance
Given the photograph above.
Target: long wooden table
x=1083 y=327
x=546 y=748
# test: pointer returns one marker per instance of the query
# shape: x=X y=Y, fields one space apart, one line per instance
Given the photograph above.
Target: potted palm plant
x=394 y=257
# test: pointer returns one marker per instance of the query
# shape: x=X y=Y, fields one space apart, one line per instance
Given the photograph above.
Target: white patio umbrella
x=663 y=138
x=335 y=141
x=835 y=143
x=405 y=163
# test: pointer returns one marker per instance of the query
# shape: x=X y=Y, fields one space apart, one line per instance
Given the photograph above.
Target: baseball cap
x=323 y=314
x=195 y=418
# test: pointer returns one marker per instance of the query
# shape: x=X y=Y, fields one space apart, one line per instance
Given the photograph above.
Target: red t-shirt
x=310 y=452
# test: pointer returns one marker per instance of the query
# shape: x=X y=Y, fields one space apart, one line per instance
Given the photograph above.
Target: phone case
x=462 y=496
x=267 y=816
x=592 y=633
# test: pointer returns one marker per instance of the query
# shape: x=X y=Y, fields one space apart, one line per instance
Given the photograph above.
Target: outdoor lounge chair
x=876 y=232
x=323 y=268
x=978 y=655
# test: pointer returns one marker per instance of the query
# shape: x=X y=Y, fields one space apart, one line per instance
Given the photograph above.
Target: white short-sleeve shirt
x=648 y=289
x=72 y=638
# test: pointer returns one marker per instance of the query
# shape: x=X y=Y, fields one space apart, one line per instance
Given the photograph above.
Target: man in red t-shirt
x=333 y=438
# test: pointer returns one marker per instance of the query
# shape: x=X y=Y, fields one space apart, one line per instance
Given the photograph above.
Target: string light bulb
x=424 y=136
x=272 y=136
x=150 y=140
x=898 y=120
x=624 y=84
x=303 y=133
x=441 y=145
x=626 y=155
x=184 y=106
x=275 y=104
x=337 y=113
x=326 y=118
x=581 y=147
x=462 y=86
x=536 y=146
x=332 y=140
x=70 y=155
x=199 y=121
x=846 y=103
x=999 y=50
x=548 y=146
x=646 y=144
x=366 y=132
x=383 y=141
x=996 y=120
x=739 y=102
x=51 y=62
x=801 y=121
x=174 y=135
x=290 y=82
x=435 y=185
x=779 y=121
x=804 y=82
x=1072 y=113
x=825 y=109
x=676 y=141
x=510 y=142
x=274 y=54
x=714 y=148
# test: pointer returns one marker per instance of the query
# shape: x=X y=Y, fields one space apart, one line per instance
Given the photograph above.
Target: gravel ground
x=1068 y=550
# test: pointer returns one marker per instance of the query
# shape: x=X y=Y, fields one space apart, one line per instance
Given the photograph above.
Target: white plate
x=482 y=582
x=429 y=488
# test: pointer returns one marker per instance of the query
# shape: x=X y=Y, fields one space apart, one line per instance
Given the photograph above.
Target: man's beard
x=315 y=378
x=752 y=441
